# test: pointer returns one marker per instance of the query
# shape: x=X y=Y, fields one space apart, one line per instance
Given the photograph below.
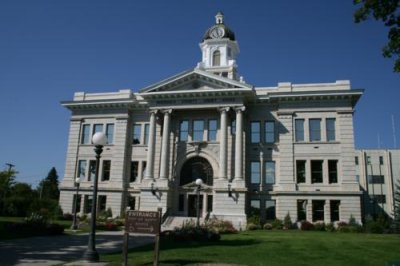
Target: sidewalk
x=53 y=250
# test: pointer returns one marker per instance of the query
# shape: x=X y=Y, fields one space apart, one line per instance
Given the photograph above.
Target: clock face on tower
x=217 y=32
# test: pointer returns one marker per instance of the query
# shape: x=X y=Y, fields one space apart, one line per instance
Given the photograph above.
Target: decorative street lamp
x=99 y=139
x=74 y=224
x=198 y=182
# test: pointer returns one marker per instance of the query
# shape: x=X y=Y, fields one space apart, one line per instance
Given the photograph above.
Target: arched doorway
x=192 y=169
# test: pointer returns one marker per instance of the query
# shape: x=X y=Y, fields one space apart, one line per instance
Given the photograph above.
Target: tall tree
x=7 y=180
x=386 y=11
x=48 y=187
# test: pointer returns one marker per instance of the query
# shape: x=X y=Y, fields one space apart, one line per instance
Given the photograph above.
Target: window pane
x=82 y=169
x=332 y=168
x=381 y=160
x=92 y=169
x=255 y=132
x=301 y=171
x=299 y=128
x=335 y=210
x=233 y=127
x=316 y=172
x=330 y=129
x=97 y=128
x=102 y=203
x=85 y=139
x=198 y=130
x=216 y=58
x=212 y=130
x=255 y=172
x=270 y=209
x=88 y=203
x=255 y=207
x=356 y=160
x=184 y=130
x=270 y=172
x=106 y=170
x=134 y=171
x=376 y=179
x=318 y=210
x=137 y=133
x=110 y=133
x=301 y=210
x=146 y=133
x=270 y=132
x=315 y=129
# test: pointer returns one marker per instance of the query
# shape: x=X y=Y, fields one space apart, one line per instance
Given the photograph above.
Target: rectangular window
x=78 y=204
x=380 y=160
x=212 y=130
x=301 y=171
x=333 y=173
x=92 y=169
x=233 y=127
x=209 y=203
x=335 y=210
x=110 y=133
x=132 y=203
x=102 y=202
x=301 y=210
x=330 y=129
x=368 y=159
x=85 y=138
x=255 y=172
x=82 y=169
x=376 y=179
x=134 y=171
x=255 y=132
x=106 y=170
x=198 y=130
x=356 y=160
x=137 y=133
x=269 y=132
x=270 y=172
x=144 y=164
x=299 y=129
x=270 y=210
x=315 y=129
x=358 y=178
x=146 y=133
x=184 y=130
x=97 y=128
x=88 y=200
x=255 y=207
x=316 y=172
x=181 y=203
x=318 y=210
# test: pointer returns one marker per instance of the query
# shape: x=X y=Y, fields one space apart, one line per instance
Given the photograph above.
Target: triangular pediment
x=194 y=80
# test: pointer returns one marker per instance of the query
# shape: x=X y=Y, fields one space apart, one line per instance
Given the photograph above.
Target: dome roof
x=219 y=23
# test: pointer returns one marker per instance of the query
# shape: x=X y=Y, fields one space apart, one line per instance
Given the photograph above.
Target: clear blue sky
x=51 y=49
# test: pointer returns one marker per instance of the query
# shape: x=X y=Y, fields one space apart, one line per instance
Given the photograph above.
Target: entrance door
x=192 y=205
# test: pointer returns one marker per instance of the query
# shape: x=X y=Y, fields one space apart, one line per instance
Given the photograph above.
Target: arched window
x=194 y=168
x=217 y=58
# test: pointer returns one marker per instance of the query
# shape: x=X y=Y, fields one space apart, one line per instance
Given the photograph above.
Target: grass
x=274 y=248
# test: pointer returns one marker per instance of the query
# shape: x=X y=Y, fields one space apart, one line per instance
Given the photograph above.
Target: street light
x=198 y=182
x=99 y=139
x=74 y=225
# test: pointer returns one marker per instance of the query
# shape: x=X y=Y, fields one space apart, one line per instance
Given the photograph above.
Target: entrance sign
x=144 y=222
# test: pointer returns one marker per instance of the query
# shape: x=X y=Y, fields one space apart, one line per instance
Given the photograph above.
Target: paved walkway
x=62 y=249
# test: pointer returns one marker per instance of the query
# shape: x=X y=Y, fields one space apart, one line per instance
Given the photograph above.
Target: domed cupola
x=219 y=30
x=219 y=49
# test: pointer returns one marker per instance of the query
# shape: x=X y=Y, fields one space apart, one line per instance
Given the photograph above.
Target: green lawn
x=274 y=248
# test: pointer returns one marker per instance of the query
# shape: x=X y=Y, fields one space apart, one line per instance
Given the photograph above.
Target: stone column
x=239 y=143
x=223 y=139
x=165 y=145
x=150 y=148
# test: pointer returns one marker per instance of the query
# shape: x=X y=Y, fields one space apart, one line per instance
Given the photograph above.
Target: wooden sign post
x=143 y=222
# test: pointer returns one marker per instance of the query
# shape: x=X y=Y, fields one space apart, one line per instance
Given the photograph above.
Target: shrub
x=287 y=222
x=67 y=217
x=190 y=232
x=330 y=227
x=277 y=224
x=254 y=219
x=267 y=226
x=374 y=227
x=354 y=227
x=320 y=226
x=306 y=226
x=220 y=226
x=251 y=226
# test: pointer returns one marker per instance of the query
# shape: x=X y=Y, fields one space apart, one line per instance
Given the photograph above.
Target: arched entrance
x=195 y=168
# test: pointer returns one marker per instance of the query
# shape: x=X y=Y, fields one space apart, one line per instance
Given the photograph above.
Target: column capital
x=166 y=111
x=239 y=109
x=223 y=109
x=153 y=111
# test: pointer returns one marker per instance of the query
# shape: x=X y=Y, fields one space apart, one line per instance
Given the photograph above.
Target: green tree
x=397 y=208
x=7 y=180
x=48 y=187
x=20 y=200
x=387 y=12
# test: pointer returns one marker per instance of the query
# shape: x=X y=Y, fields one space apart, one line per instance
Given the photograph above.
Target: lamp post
x=198 y=182
x=74 y=224
x=99 y=139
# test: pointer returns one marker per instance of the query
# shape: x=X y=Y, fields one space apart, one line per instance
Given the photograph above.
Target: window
x=376 y=179
x=82 y=169
x=106 y=170
x=330 y=129
x=299 y=129
x=146 y=133
x=110 y=133
x=97 y=128
x=229 y=52
x=255 y=172
x=233 y=127
x=316 y=172
x=88 y=200
x=137 y=133
x=184 y=130
x=131 y=202
x=255 y=207
x=255 y=132
x=301 y=171
x=198 y=130
x=301 y=210
x=368 y=159
x=335 y=210
x=356 y=160
x=379 y=198
x=270 y=132
x=134 y=171
x=381 y=160
x=318 y=210
x=102 y=203
x=332 y=169
x=315 y=129
x=78 y=204
x=212 y=130
x=181 y=203
x=144 y=164
x=209 y=203
x=270 y=172
x=358 y=178
x=92 y=169
x=217 y=58
x=270 y=210
x=85 y=139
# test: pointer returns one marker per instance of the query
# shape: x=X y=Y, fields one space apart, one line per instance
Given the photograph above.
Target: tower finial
x=219 y=18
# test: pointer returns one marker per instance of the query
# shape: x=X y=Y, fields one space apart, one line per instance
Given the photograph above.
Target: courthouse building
x=273 y=150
